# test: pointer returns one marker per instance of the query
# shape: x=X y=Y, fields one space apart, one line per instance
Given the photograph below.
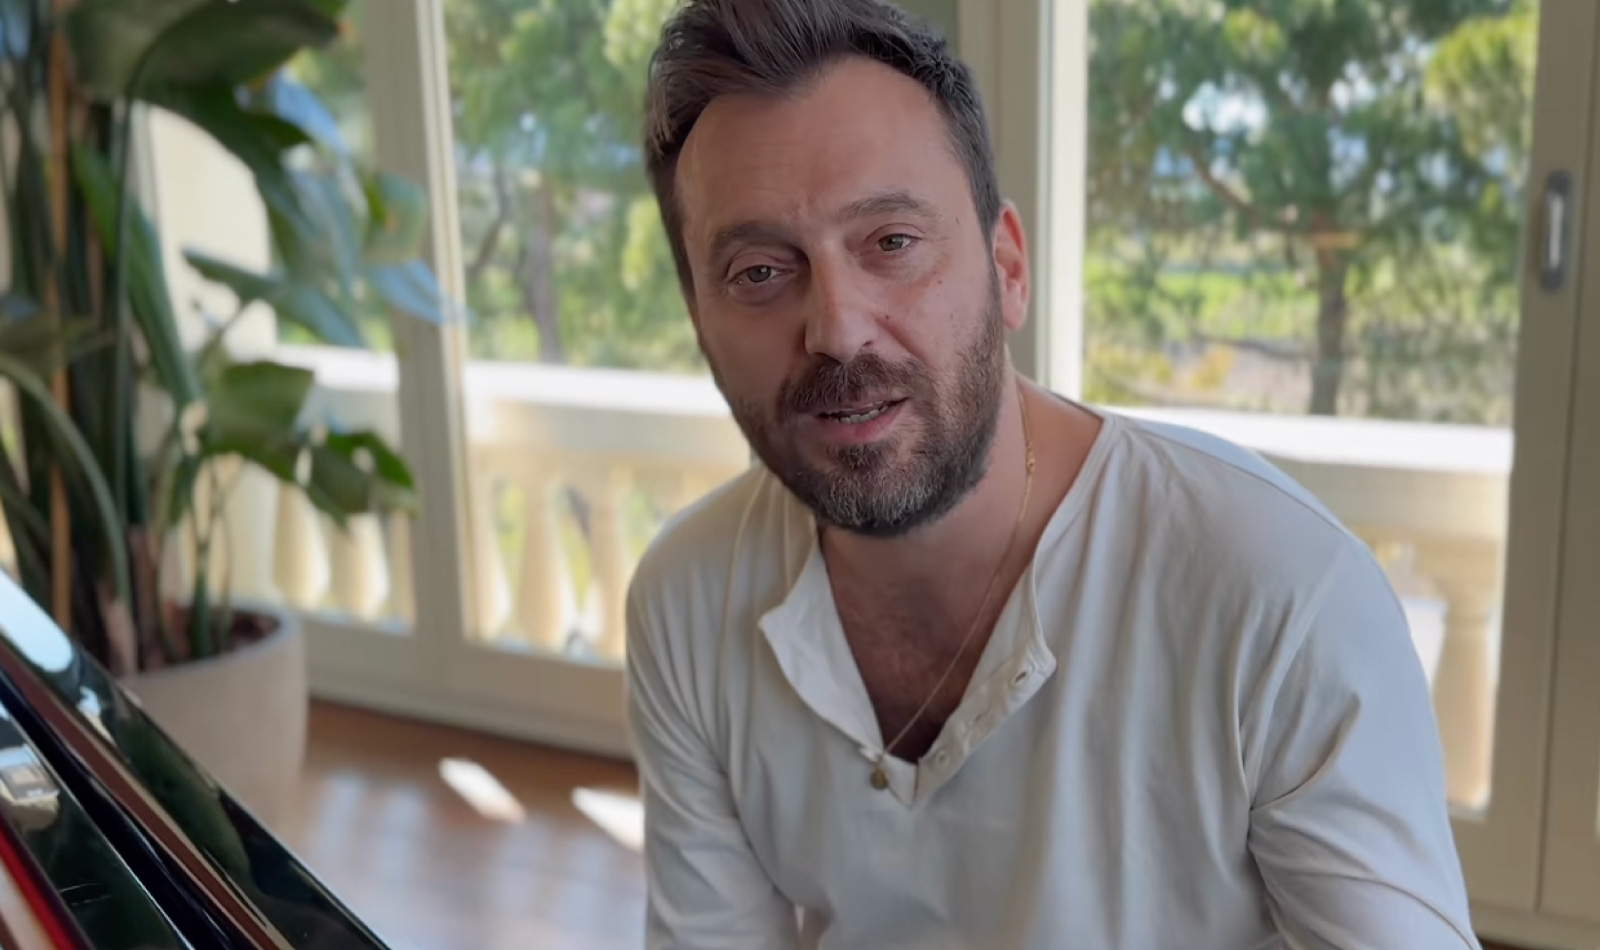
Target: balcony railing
x=572 y=471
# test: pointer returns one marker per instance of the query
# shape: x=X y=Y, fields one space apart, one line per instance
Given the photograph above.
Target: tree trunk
x=1333 y=313
x=536 y=276
x=484 y=256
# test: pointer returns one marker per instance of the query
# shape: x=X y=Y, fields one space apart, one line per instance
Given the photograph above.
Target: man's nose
x=841 y=320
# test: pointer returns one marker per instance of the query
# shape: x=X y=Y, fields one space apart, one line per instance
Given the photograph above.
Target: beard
x=887 y=488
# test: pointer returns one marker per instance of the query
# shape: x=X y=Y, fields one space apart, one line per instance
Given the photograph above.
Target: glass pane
x=1302 y=236
x=580 y=347
x=296 y=554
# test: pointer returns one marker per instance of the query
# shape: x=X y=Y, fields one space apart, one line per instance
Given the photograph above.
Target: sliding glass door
x=1347 y=236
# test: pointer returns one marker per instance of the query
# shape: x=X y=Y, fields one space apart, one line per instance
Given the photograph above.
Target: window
x=578 y=338
x=1302 y=234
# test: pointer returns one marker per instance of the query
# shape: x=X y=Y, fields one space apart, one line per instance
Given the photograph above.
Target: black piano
x=111 y=838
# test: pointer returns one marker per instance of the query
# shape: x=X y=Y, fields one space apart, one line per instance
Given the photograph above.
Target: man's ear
x=1011 y=266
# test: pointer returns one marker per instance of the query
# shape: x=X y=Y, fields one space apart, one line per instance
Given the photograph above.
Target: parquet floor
x=380 y=823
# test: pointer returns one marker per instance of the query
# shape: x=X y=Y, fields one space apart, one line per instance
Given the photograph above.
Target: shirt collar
x=807 y=639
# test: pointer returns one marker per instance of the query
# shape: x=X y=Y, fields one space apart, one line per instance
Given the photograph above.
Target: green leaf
x=108 y=38
x=409 y=288
x=16 y=28
x=386 y=463
x=247 y=285
x=181 y=492
x=296 y=303
x=47 y=344
x=236 y=42
x=15 y=305
x=188 y=42
x=256 y=402
x=147 y=284
x=314 y=310
x=296 y=104
x=258 y=139
x=67 y=436
x=333 y=246
x=397 y=219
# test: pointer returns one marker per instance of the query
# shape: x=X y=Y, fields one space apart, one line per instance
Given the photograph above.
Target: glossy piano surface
x=136 y=846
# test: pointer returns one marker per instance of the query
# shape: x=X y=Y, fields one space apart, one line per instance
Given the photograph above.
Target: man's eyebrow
x=890 y=202
x=765 y=232
x=745 y=232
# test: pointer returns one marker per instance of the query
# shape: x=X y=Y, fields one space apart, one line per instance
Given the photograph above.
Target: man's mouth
x=856 y=415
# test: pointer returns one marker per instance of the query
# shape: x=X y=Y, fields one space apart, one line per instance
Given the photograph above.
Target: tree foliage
x=1308 y=199
x=1293 y=204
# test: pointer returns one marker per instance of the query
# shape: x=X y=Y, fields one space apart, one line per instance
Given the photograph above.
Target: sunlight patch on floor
x=620 y=816
x=481 y=790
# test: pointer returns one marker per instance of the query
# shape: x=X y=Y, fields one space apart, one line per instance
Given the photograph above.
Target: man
x=963 y=664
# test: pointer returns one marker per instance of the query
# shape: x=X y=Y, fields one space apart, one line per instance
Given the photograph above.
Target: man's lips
x=860 y=412
x=858 y=424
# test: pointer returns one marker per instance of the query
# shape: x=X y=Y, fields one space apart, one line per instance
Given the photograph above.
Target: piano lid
x=222 y=879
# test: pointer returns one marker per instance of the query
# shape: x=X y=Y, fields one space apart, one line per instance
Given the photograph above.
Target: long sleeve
x=1350 y=826
x=707 y=890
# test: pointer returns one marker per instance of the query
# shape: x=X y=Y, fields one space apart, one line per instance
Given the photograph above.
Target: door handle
x=1555 y=252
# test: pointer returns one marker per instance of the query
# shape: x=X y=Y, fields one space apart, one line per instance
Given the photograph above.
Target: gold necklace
x=880 y=774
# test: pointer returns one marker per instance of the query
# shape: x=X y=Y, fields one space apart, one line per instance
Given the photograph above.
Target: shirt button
x=941 y=758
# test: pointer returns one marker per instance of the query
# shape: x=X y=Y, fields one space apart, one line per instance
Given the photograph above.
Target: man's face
x=848 y=302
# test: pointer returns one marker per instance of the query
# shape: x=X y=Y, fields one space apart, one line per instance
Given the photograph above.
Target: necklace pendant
x=880 y=778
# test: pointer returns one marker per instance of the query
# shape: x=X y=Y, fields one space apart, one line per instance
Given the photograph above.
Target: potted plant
x=90 y=341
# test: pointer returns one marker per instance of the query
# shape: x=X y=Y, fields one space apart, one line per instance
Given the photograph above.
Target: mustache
x=830 y=384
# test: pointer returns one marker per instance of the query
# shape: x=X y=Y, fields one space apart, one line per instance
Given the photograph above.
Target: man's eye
x=894 y=242
x=759 y=274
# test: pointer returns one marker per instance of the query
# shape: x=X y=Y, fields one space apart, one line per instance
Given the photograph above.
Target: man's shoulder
x=1225 y=513
x=1201 y=461
x=1225 y=489
x=707 y=534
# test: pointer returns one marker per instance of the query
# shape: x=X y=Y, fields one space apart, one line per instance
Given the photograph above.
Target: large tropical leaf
x=72 y=448
x=234 y=42
x=409 y=288
x=295 y=302
x=329 y=252
x=108 y=38
x=295 y=103
x=258 y=139
x=175 y=42
x=247 y=285
x=397 y=219
x=147 y=283
x=16 y=28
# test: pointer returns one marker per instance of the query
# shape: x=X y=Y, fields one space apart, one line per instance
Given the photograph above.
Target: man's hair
x=713 y=48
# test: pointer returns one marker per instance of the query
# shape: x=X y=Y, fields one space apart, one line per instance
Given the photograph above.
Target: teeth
x=860 y=417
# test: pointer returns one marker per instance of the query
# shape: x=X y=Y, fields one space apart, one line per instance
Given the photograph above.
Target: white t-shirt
x=1200 y=723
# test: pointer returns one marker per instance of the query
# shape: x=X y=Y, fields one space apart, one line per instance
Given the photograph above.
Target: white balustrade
x=402 y=588
x=300 y=555
x=359 y=575
x=610 y=558
x=492 y=591
x=1430 y=499
x=545 y=609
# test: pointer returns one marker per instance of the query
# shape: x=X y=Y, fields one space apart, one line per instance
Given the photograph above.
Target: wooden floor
x=411 y=857
x=382 y=827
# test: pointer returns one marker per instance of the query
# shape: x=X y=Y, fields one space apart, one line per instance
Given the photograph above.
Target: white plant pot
x=240 y=715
